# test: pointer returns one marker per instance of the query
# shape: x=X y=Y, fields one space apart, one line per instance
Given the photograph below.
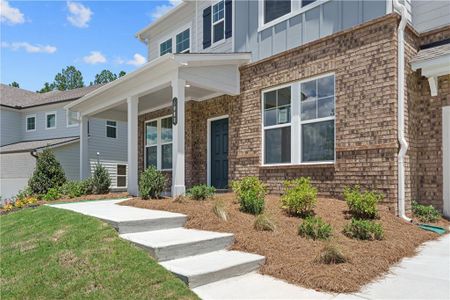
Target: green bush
x=22 y=194
x=47 y=174
x=73 y=189
x=330 y=255
x=364 y=230
x=100 y=180
x=52 y=195
x=250 y=192
x=264 y=223
x=362 y=204
x=315 y=228
x=151 y=183
x=299 y=196
x=425 y=213
x=201 y=192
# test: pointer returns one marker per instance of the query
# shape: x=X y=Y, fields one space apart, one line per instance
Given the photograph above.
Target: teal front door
x=219 y=154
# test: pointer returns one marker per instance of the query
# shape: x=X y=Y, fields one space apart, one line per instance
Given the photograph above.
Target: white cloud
x=80 y=15
x=162 y=9
x=10 y=15
x=29 y=47
x=96 y=57
x=137 y=60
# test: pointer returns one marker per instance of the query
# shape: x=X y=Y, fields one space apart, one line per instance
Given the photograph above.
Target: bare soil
x=293 y=258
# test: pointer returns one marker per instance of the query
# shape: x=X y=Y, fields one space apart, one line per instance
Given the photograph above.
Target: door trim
x=208 y=145
x=446 y=160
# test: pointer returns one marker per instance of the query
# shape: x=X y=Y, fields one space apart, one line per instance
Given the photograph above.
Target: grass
x=49 y=253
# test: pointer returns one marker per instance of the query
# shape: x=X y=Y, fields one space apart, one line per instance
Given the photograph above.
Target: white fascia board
x=441 y=61
x=213 y=59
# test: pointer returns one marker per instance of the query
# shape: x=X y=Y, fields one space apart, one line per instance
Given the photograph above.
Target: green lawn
x=52 y=253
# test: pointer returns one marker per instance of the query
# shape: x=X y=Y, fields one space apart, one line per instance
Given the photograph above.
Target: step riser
x=202 y=279
x=151 y=225
x=188 y=249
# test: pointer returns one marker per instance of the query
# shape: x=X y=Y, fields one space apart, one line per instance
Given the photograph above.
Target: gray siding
x=69 y=158
x=428 y=15
x=109 y=148
x=10 y=126
x=325 y=19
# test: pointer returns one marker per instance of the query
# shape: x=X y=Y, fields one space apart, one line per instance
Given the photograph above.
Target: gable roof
x=26 y=146
x=20 y=98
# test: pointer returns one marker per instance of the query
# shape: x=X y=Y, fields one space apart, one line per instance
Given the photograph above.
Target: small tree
x=47 y=174
x=14 y=84
x=100 y=180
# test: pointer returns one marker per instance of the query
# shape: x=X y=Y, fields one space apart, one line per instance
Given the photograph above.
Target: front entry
x=219 y=154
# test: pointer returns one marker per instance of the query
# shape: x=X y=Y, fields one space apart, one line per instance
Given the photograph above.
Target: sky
x=40 y=38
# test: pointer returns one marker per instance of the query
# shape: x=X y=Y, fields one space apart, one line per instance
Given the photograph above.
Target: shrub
x=364 y=230
x=19 y=204
x=51 y=195
x=299 y=197
x=330 y=255
x=201 y=192
x=47 y=174
x=30 y=200
x=151 y=183
x=264 y=223
x=22 y=194
x=315 y=228
x=250 y=192
x=362 y=204
x=219 y=210
x=100 y=180
x=425 y=213
x=73 y=189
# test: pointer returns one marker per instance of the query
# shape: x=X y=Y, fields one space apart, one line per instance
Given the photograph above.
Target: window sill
x=316 y=165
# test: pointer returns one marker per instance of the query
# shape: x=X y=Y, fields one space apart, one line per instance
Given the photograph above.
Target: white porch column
x=132 y=122
x=85 y=168
x=178 y=182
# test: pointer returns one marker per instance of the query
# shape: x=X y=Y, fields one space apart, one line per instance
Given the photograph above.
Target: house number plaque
x=174 y=111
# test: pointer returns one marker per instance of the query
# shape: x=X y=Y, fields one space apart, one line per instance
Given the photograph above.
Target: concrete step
x=179 y=242
x=210 y=267
x=151 y=224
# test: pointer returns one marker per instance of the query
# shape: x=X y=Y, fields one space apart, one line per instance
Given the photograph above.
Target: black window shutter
x=207 y=27
x=228 y=18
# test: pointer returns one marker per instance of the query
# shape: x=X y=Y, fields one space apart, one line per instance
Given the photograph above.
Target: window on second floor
x=183 y=41
x=31 y=123
x=72 y=118
x=218 y=18
x=50 y=120
x=111 y=129
x=165 y=47
x=274 y=9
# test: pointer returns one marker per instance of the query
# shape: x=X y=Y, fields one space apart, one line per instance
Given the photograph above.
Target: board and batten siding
x=322 y=20
x=431 y=14
x=11 y=127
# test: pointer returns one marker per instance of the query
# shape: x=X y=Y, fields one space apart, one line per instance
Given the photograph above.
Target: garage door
x=15 y=169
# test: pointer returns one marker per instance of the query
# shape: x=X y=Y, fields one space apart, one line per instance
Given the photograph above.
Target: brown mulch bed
x=291 y=257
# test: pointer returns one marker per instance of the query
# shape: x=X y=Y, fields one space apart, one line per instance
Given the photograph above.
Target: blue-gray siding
x=69 y=157
x=108 y=148
x=10 y=126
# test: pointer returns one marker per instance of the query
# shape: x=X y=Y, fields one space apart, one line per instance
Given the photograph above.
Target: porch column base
x=178 y=190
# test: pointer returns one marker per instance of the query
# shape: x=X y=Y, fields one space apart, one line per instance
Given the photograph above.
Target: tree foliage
x=70 y=78
x=47 y=174
x=14 y=84
x=122 y=73
x=48 y=87
x=106 y=76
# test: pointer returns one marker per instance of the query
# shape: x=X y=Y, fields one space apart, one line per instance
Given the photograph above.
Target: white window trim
x=106 y=129
x=56 y=119
x=171 y=50
x=221 y=41
x=26 y=122
x=158 y=144
x=68 y=120
x=296 y=124
x=296 y=9
x=208 y=146
x=126 y=175
x=173 y=36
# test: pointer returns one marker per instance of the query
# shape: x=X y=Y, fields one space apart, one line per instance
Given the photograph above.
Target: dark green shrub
x=264 y=223
x=100 y=180
x=425 y=213
x=47 y=174
x=364 y=230
x=330 y=255
x=151 y=183
x=52 y=195
x=299 y=196
x=362 y=204
x=201 y=192
x=250 y=192
x=315 y=228
x=73 y=189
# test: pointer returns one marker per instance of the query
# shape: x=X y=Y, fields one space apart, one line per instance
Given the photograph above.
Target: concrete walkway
x=425 y=276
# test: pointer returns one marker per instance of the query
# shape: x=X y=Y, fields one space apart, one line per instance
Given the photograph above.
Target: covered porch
x=167 y=82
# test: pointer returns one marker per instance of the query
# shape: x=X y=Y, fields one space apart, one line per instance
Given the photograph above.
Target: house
x=345 y=92
x=30 y=122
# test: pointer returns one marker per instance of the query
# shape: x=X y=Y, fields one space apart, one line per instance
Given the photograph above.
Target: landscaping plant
x=100 y=180
x=299 y=197
x=315 y=228
x=425 y=213
x=364 y=230
x=219 y=210
x=47 y=174
x=330 y=255
x=250 y=192
x=73 y=189
x=264 y=223
x=201 y=192
x=151 y=183
x=362 y=204
x=52 y=194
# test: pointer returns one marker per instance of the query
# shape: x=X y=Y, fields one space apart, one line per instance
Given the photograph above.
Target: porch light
x=187 y=85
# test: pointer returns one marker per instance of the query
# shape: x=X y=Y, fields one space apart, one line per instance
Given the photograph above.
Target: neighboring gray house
x=30 y=121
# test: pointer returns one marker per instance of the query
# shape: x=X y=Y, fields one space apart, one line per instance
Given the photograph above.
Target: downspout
x=401 y=109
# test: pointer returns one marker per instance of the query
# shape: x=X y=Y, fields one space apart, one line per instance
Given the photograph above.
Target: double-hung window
x=299 y=121
x=218 y=24
x=111 y=129
x=72 y=118
x=165 y=47
x=121 y=176
x=183 y=41
x=31 y=123
x=274 y=9
x=158 y=143
x=50 y=120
